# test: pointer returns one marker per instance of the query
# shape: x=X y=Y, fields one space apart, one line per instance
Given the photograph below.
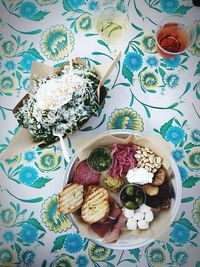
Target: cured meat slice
x=115 y=210
x=102 y=229
x=115 y=233
x=84 y=175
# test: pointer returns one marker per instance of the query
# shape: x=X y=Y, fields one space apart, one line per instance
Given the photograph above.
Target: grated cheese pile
x=58 y=91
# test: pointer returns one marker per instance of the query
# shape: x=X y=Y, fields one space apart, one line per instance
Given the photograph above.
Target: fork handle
x=64 y=149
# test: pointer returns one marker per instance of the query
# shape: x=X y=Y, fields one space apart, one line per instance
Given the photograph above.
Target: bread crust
x=71 y=198
x=96 y=206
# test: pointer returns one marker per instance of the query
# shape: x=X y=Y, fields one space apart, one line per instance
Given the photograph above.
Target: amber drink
x=173 y=37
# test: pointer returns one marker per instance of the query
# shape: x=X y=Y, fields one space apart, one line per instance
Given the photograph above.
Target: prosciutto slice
x=102 y=229
x=115 y=210
x=115 y=233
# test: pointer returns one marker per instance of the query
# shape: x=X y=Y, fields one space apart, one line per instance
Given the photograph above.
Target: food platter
x=133 y=241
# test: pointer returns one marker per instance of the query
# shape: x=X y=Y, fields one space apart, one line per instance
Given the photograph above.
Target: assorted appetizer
x=117 y=188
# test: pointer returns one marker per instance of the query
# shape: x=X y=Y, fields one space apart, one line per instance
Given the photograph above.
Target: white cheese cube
x=138 y=215
x=145 y=208
x=128 y=213
x=143 y=224
x=131 y=224
x=149 y=216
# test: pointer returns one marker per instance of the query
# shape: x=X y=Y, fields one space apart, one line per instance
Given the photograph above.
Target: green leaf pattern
x=153 y=94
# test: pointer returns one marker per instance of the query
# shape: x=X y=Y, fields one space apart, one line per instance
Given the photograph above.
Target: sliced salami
x=84 y=175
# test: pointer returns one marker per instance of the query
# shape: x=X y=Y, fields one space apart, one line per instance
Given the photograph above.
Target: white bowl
x=133 y=242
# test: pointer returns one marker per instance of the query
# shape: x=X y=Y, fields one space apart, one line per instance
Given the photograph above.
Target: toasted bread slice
x=71 y=198
x=96 y=205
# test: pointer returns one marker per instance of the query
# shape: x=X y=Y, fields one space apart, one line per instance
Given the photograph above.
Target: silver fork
x=63 y=145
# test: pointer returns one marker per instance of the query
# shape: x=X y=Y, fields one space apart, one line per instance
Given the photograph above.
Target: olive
x=129 y=190
x=139 y=200
x=130 y=205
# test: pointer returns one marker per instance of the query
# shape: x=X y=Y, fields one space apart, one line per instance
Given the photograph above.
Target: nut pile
x=147 y=159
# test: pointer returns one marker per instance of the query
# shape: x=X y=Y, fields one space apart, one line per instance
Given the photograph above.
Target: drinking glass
x=174 y=34
x=111 y=24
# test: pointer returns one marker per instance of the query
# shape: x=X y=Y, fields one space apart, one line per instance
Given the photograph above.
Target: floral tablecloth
x=146 y=93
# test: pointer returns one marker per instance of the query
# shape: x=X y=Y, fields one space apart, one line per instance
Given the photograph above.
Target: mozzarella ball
x=149 y=216
x=131 y=224
x=143 y=224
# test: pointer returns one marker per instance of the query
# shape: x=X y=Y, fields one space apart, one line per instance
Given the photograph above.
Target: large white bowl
x=133 y=242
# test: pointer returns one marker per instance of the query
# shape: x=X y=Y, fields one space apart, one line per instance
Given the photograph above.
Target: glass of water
x=111 y=24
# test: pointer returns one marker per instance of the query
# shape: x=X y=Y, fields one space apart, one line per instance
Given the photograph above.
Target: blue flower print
x=172 y=80
x=172 y=63
x=28 y=175
x=169 y=6
x=46 y=2
x=193 y=159
x=75 y=4
x=84 y=23
x=196 y=212
x=63 y=260
x=26 y=84
x=82 y=261
x=26 y=62
x=10 y=65
x=195 y=135
x=28 y=234
x=6 y=257
x=157 y=256
x=175 y=135
x=8 y=48
x=7 y=216
x=183 y=173
x=29 y=156
x=121 y=6
x=178 y=154
x=180 y=234
x=9 y=237
x=180 y=258
x=133 y=61
x=27 y=10
x=7 y=83
x=73 y=243
x=152 y=62
x=27 y=257
x=51 y=217
x=92 y=5
x=56 y=42
x=126 y=118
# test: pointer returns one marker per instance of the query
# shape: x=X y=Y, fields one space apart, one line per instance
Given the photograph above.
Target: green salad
x=60 y=102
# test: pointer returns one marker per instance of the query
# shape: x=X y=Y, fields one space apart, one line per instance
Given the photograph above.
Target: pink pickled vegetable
x=124 y=159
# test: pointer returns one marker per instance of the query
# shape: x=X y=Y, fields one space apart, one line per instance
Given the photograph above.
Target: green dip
x=100 y=159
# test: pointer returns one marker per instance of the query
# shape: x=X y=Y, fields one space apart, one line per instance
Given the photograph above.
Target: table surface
x=146 y=93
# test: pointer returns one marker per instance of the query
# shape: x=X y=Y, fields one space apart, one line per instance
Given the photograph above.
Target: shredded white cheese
x=56 y=92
